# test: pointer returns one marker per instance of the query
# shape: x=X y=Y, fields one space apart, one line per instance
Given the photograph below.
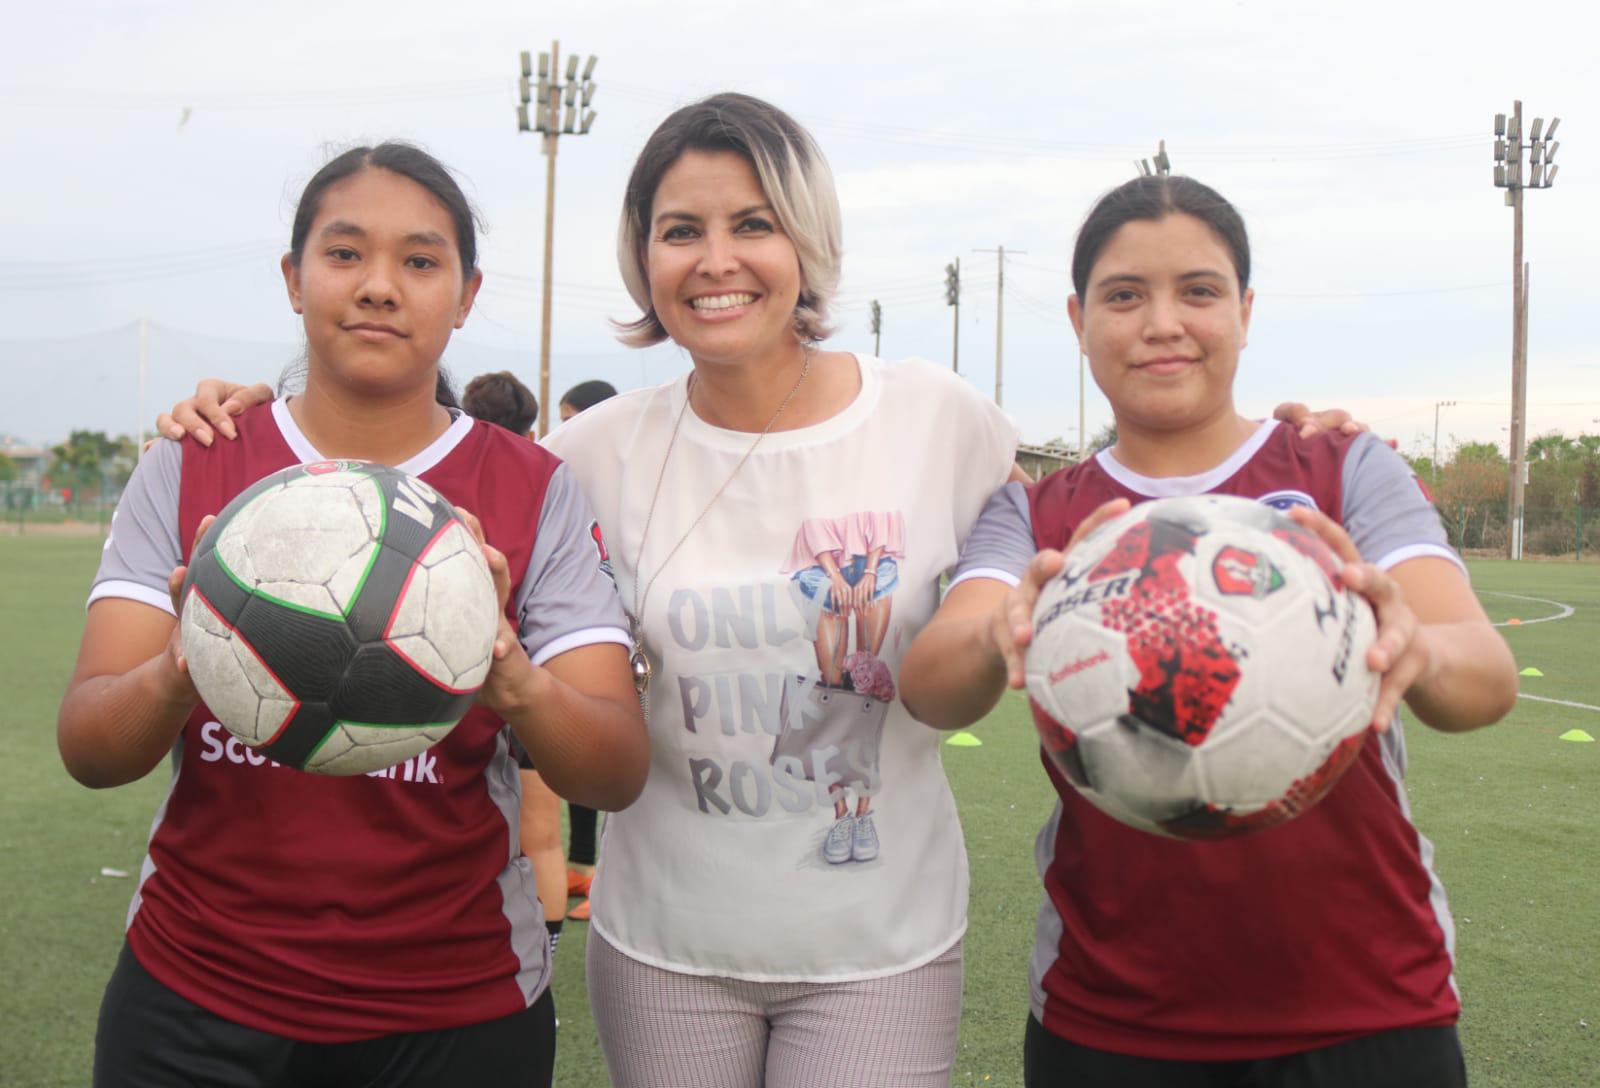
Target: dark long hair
x=1155 y=197
x=410 y=162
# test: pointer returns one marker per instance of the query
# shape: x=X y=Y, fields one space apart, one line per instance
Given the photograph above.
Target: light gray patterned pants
x=664 y=1029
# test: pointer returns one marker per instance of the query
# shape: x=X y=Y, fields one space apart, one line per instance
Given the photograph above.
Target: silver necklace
x=639 y=662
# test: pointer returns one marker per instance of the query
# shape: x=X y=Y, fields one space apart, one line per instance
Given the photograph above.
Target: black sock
x=554 y=929
x=580 y=843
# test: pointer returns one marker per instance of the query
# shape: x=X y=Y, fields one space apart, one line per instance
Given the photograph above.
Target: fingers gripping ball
x=338 y=617
x=1196 y=671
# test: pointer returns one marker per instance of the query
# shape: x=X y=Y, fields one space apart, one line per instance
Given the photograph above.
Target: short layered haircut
x=794 y=177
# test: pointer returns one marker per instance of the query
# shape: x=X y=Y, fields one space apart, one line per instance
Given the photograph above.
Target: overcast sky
x=153 y=152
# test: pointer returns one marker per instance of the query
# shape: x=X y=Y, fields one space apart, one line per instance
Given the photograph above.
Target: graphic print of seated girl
x=849 y=567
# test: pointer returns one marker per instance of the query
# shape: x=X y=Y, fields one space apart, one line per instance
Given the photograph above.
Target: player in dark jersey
x=296 y=929
x=1316 y=953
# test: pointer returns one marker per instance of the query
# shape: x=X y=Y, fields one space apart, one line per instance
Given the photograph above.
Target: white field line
x=1565 y=609
x=1558 y=702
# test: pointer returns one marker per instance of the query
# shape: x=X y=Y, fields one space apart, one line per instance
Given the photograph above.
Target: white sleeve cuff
x=1419 y=551
x=994 y=573
x=133 y=591
x=587 y=636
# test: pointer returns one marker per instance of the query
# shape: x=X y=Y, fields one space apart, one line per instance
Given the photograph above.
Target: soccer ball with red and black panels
x=1197 y=671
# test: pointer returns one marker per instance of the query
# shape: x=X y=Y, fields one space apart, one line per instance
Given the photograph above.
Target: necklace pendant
x=641 y=672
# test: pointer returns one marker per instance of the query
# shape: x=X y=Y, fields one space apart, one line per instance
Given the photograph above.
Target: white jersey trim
x=132 y=591
x=1168 y=487
x=1418 y=551
x=416 y=465
x=994 y=573
x=587 y=636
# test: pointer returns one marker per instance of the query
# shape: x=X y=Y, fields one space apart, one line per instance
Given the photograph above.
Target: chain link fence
x=25 y=509
x=1547 y=532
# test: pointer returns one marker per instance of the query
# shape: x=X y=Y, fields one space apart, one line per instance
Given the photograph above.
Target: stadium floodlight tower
x=1162 y=165
x=547 y=98
x=1509 y=175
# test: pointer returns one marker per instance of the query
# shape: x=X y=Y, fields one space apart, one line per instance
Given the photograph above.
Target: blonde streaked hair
x=794 y=178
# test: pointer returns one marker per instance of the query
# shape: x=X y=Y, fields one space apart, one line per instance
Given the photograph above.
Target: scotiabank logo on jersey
x=217 y=745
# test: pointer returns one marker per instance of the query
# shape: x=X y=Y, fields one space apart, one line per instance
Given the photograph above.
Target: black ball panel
x=311 y=723
x=380 y=687
x=307 y=653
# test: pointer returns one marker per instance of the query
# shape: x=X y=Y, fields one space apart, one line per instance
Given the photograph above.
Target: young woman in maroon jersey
x=292 y=928
x=1316 y=953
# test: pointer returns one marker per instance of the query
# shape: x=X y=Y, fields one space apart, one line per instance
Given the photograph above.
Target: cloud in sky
x=1355 y=138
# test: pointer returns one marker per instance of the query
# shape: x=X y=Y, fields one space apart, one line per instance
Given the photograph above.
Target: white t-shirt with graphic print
x=796 y=824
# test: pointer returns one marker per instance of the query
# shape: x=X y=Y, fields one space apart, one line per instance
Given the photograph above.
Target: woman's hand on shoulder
x=211 y=410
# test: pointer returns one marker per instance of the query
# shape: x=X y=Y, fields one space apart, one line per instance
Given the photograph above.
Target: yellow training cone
x=1530 y=671
x=964 y=740
x=1577 y=735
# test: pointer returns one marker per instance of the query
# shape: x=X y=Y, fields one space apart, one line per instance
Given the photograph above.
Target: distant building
x=33 y=462
x=1040 y=461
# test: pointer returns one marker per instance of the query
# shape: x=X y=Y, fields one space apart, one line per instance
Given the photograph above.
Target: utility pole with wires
x=547 y=97
x=952 y=297
x=1000 y=318
x=877 y=325
x=1162 y=166
x=1435 y=462
x=1508 y=175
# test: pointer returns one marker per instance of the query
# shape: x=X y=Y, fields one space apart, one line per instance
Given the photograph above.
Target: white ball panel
x=1129 y=761
x=223 y=685
x=412 y=613
x=369 y=498
x=454 y=540
x=462 y=614
x=305 y=534
x=312 y=595
x=350 y=577
x=1079 y=671
x=422 y=654
x=1254 y=766
x=354 y=749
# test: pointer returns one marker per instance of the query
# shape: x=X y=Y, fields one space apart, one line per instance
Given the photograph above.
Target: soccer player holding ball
x=1314 y=953
x=292 y=928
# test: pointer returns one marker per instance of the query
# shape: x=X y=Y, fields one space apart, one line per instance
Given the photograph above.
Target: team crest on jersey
x=1284 y=501
x=600 y=547
x=1239 y=573
x=322 y=468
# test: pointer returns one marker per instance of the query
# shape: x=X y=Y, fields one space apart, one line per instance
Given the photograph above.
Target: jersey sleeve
x=1001 y=542
x=142 y=548
x=1385 y=510
x=568 y=599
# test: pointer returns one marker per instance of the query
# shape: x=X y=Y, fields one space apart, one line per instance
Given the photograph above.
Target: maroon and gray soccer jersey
x=1326 y=928
x=333 y=909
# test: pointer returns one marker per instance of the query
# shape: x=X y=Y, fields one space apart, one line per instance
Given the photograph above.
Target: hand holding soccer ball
x=1199 y=667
